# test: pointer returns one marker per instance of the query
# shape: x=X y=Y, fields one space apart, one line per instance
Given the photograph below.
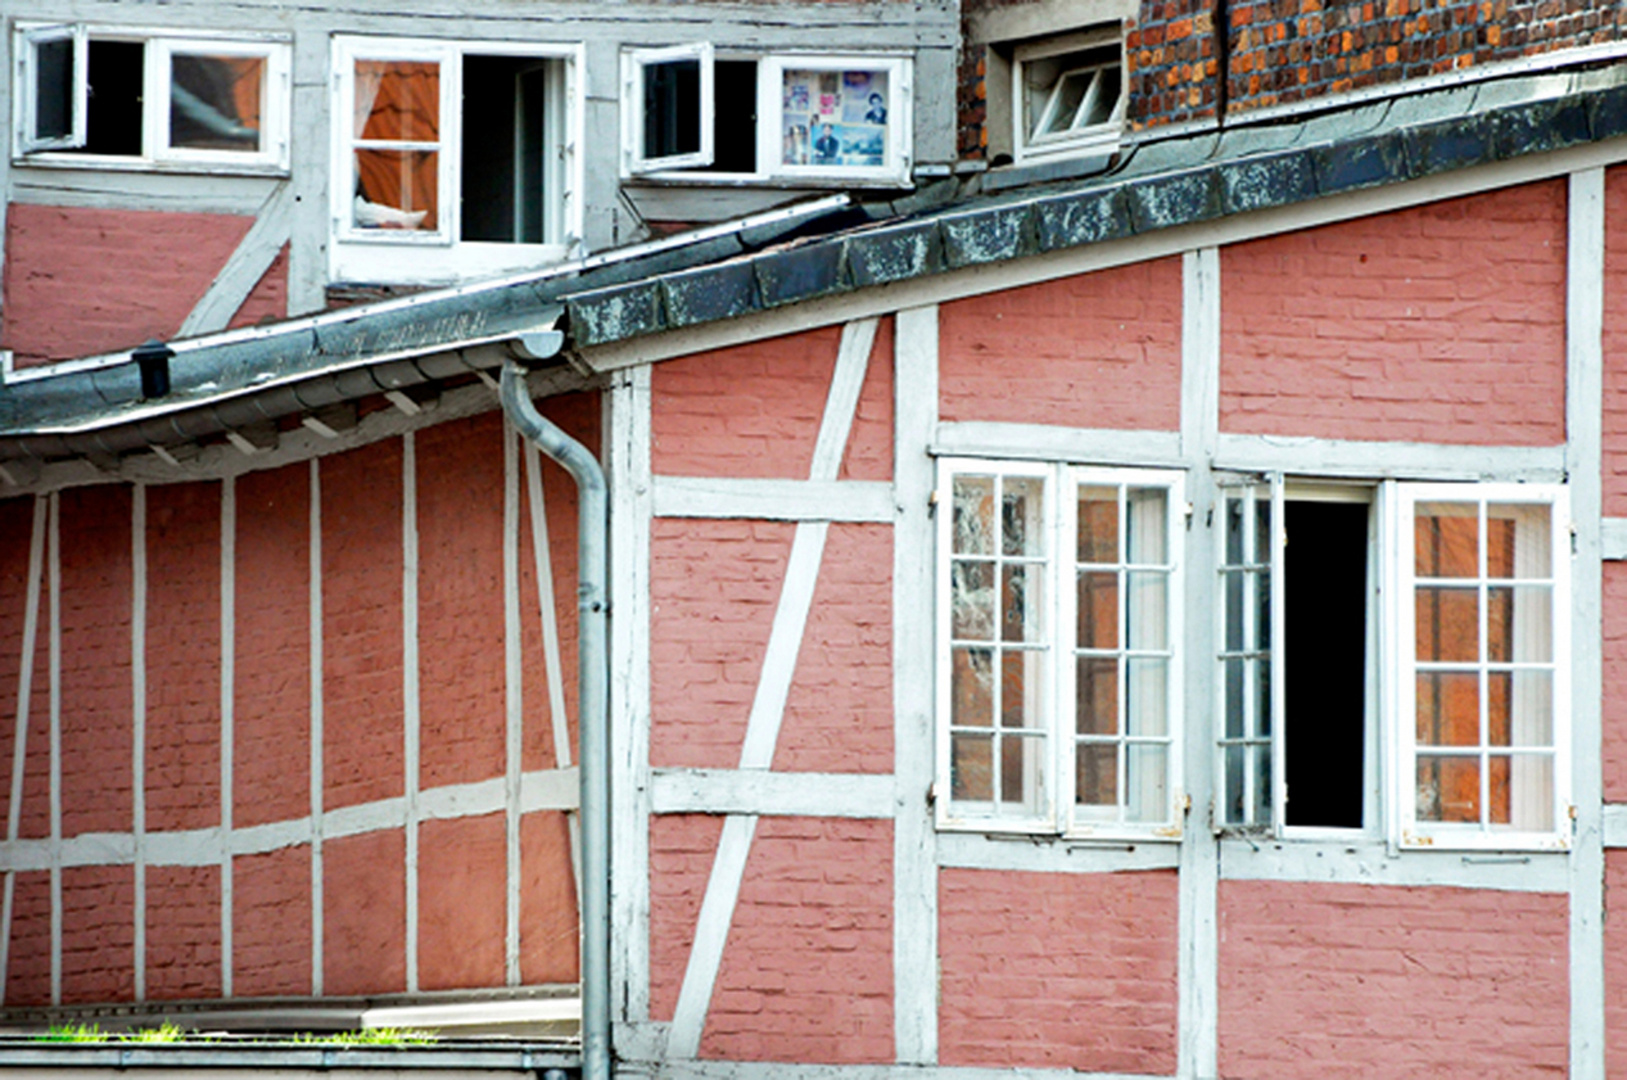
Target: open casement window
x=1058 y=616
x=670 y=104
x=114 y=99
x=1483 y=683
x=51 y=88
x=1068 y=94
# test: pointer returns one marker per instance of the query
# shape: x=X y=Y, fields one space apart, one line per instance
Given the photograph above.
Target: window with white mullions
x=1485 y=591
x=1249 y=550
x=999 y=645
x=1123 y=652
x=53 y=90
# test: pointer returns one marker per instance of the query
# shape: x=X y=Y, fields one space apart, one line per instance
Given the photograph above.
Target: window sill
x=109 y=163
x=400 y=262
x=755 y=180
x=1088 y=163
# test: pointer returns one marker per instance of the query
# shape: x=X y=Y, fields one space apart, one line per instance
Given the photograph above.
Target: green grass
x=172 y=1033
x=73 y=1033
x=368 y=1037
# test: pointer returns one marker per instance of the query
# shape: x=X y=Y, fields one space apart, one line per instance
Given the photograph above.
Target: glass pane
x=1446 y=540
x=672 y=108
x=971 y=688
x=1262 y=697
x=1234 y=530
x=1232 y=806
x=835 y=118
x=53 y=89
x=398 y=100
x=215 y=102
x=1022 y=521
x=1146 y=696
x=1234 y=674
x=1105 y=100
x=1448 y=708
x=1146 y=774
x=1519 y=624
x=396 y=189
x=971 y=601
x=1022 y=774
x=1022 y=603
x=1262 y=783
x=1098 y=525
x=1261 y=583
x=1148 y=512
x=1096 y=693
x=1448 y=626
x=1097 y=778
x=1068 y=93
x=1448 y=788
x=1262 y=529
x=1146 y=610
x=1098 y=610
x=1518 y=541
x=1522 y=708
x=973 y=527
x=1236 y=586
x=1522 y=791
x=971 y=768
x=1020 y=681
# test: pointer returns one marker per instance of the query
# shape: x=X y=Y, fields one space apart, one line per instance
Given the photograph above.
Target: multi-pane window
x=1057 y=628
x=1068 y=94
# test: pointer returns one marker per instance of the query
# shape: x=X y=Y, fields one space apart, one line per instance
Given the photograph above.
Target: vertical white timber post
x=1584 y=427
x=1198 y=965
x=915 y=849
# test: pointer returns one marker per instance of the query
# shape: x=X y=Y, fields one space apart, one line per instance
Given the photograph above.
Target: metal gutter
x=593 y=659
x=241 y=1052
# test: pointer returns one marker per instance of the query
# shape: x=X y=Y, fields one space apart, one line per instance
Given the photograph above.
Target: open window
x=1059 y=618
x=114 y=99
x=1068 y=94
x=693 y=117
x=465 y=148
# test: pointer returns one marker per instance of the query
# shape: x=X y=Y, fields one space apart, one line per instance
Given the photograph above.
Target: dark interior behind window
x=113 y=116
x=504 y=129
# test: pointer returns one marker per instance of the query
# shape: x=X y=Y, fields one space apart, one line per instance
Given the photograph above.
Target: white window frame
x=159 y=47
x=1075 y=141
x=771 y=68
x=1390 y=746
x=634 y=62
x=1059 y=814
x=412 y=256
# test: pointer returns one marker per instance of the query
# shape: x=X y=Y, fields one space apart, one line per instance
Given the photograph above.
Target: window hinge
x=932 y=794
x=932 y=500
x=1186 y=800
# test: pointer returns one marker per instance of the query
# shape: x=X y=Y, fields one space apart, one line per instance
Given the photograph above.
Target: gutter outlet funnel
x=153 y=359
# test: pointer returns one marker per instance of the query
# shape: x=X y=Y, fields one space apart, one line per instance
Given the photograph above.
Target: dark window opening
x=53 y=89
x=1325 y=660
x=504 y=146
x=672 y=108
x=113 y=115
x=734 y=117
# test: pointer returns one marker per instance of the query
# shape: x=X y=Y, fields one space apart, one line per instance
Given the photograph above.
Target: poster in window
x=835 y=118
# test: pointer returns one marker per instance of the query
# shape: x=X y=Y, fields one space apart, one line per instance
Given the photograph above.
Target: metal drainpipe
x=592 y=541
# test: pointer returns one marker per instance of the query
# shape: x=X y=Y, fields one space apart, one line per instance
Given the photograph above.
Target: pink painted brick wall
x=1382 y=982
x=807 y=971
x=268 y=301
x=1615 y=341
x=364 y=914
x=870 y=443
x=98 y=933
x=1613 y=750
x=1099 y=350
x=271 y=923
x=183 y=932
x=1059 y=971
x=682 y=848
x=81 y=281
x=183 y=656
x=548 y=925
x=28 y=964
x=462 y=902
x=1615 y=961
x=16 y=532
x=1443 y=323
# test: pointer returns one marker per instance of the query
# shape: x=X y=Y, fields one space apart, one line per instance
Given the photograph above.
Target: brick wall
x=1444 y=323
x=1058 y=971
x=1614 y=708
x=1383 y=982
x=1614 y=341
x=1615 y=962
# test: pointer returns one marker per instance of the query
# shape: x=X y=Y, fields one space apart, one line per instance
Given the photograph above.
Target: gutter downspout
x=592 y=542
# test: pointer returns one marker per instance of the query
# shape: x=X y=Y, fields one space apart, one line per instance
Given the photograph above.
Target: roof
x=240 y=379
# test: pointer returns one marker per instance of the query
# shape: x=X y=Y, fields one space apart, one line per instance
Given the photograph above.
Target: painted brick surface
x=183 y=932
x=271 y=711
x=807 y=971
x=1615 y=342
x=28 y=962
x=271 y=923
x=1613 y=750
x=1378 y=982
x=95 y=527
x=682 y=848
x=462 y=902
x=134 y=274
x=870 y=443
x=1099 y=350
x=98 y=933
x=16 y=531
x=776 y=392
x=839 y=713
x=361 y=625
x=183 y=656
x=714 y=587
x=460 y=600
x=1442 y=323
x=1615 y=961
x=268 y=301
x=1058 y=970
x=548 y=928
x=364 y=914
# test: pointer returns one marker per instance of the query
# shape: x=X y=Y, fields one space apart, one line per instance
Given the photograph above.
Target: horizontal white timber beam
x=1613 y=538
x=764 y=1070
x=1012 y=853
x=1306 y=456
x=1615 y=825
x=1368 y=862
x=773 y=500
x=758 y=791
x=972 y=438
